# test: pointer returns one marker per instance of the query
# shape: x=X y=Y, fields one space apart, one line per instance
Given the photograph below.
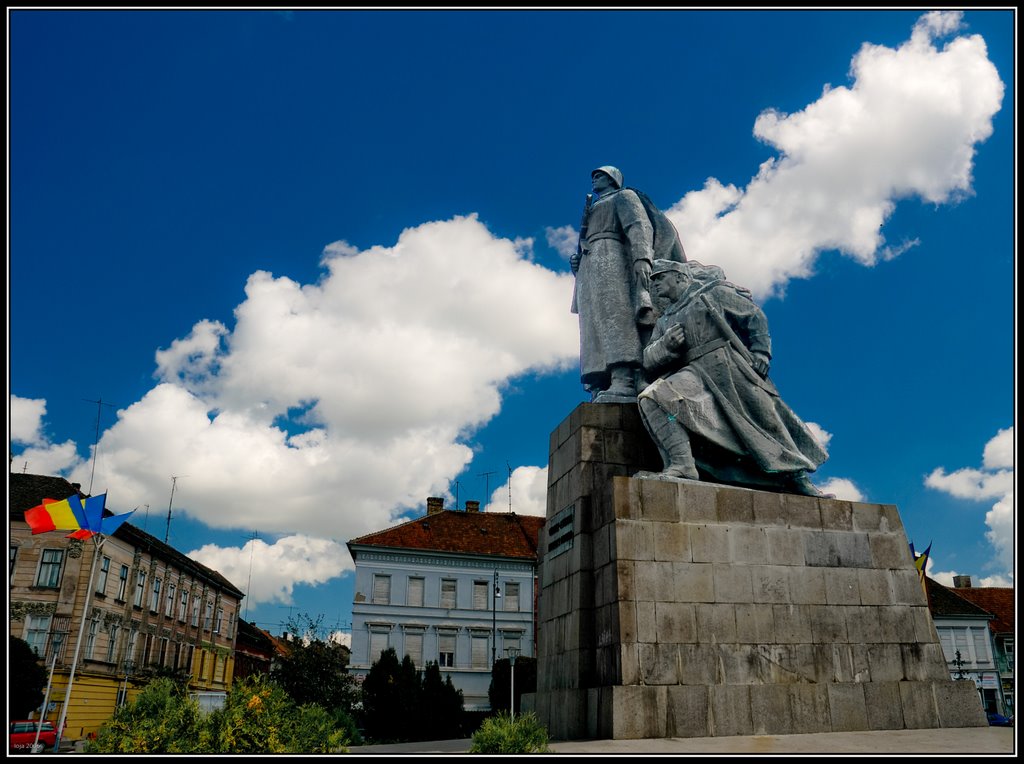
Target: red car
x=23 y=735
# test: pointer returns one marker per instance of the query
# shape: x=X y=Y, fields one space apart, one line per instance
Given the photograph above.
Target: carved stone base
x=678 y=608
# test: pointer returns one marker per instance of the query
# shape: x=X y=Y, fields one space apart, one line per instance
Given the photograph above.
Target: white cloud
x=27 y=420
x=330 y=409
x=992 y=482
x=563 y=240
x=820 y=434
x=842 y=488
x=270 y=572
x=529 y=494
x=906 y=126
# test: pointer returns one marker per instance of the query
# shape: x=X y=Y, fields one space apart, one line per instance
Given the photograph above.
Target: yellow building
x=152 y=611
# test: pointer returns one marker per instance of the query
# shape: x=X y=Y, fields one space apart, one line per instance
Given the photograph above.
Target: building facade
x=151 y=610
x=967 y=643
x=998 y=601
x=453 y=587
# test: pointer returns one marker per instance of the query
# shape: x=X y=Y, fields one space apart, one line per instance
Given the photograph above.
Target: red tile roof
x=996 y=600
x=503 y=534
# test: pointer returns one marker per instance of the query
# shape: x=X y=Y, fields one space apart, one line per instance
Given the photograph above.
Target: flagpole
x=78 y=644
x=55 y=645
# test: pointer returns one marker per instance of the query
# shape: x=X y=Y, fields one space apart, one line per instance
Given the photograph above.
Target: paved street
x=970 y=741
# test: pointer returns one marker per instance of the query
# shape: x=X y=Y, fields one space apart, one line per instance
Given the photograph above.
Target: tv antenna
x=487 y=484
x=509 y=486
x=96 y=442
x=174 y=482
x=457 y=484
x=248 y=586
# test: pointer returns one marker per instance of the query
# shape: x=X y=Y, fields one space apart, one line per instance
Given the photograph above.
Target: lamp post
x=958 y=664
x=56 y=644
x=512 y=653
x=494 y=620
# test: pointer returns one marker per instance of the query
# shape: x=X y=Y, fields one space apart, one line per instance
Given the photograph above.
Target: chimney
x=961 y=582
x=472 y=506
x=434 y=504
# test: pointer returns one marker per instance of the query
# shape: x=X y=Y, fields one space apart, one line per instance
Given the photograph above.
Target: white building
x=455 y=587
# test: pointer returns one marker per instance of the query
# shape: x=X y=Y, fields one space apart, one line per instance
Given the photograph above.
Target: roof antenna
x=174 y=482
x=457 y=484
x=96 y=443
x=487 y=484
x=509 y=487
x=248 y=586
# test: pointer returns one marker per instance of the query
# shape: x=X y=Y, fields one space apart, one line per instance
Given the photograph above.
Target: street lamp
x=512 y=653
x=958 y=664
x=494 y=620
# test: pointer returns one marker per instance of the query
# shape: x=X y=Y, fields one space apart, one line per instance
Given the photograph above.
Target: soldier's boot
x=672 y=439
x=623 y=383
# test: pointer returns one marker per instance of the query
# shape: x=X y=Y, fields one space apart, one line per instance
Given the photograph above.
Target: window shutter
x=415 y=596
x=480 y=595
x=381 y=590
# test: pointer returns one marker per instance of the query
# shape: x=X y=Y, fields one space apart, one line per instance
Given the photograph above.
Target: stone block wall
x=682 y=609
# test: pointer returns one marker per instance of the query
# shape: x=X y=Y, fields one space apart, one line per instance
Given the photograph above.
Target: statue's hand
x=674 y=338
x=761 y=362
x=642 y=269
x=574 y=262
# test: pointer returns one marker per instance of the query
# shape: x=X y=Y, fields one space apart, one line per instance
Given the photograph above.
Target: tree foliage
x=502 y=685
x=258 y=717
x=26 y=681
x=399 y=704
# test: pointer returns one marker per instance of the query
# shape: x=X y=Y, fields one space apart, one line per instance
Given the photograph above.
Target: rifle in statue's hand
x=574 y=260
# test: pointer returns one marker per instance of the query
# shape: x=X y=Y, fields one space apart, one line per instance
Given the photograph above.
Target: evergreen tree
x=26 y=681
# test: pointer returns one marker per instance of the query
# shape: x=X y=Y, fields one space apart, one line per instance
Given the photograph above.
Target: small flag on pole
x=71 y=515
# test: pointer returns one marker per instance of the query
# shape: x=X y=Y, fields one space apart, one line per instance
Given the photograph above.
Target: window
x=981 y=646
x=183 y=606
x=169 y=608
x=147 y=650
x=101 y=583
x=512 y=597
x=515 y=641
x=154 y=600
x=195 y=610
x=381 y=589
x=189 y=654
x=446 y=649
x=414 y=647
x=480 y=601
x=49 y=568
x=480 y=657
x=218 y=622
x=140 y=588
x=14 y=557
x=163 y=651
x=133 y=643
x=177 y=656
x=414 y=597
x=36 y=628
x=90 y=641
x=231 y=626
x=122 y=583
x=208 y=620
x=112 y=642
x=1008 y=649
x=378 y=644
x=219 y=666
x=448 y=593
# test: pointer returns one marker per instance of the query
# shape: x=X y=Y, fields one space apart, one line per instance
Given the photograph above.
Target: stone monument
x=722 y=595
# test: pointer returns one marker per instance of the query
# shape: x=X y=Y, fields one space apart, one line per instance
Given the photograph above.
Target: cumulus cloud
x=328 y=410
x=27 y=420
x=528 y=494
x=842 y=488
x=563 y=240
x=994 y=481
x=906 y=126
x=270 y=572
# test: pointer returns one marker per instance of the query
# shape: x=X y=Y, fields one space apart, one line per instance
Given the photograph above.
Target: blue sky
x=316 y=262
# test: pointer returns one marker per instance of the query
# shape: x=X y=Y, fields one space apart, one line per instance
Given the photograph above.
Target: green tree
x=391 y=697
x=26 y=680
x=315 y=670
x=162 y=719
x=500 y=691
x=441 y=704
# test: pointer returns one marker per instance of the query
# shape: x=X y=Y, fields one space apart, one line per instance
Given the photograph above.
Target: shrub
x=162 y=719
x=503 y=734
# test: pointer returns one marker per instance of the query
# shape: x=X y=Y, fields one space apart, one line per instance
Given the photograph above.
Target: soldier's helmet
x=611 y=172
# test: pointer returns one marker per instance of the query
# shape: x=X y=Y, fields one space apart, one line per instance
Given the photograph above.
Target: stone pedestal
x=690 y=609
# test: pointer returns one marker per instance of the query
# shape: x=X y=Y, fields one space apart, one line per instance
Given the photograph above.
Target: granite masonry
x=692 y=609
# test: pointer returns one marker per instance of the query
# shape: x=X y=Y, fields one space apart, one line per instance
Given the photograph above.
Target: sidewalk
x=967 y=741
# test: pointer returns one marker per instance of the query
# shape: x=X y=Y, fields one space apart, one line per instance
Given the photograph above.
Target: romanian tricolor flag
x=71 y=515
